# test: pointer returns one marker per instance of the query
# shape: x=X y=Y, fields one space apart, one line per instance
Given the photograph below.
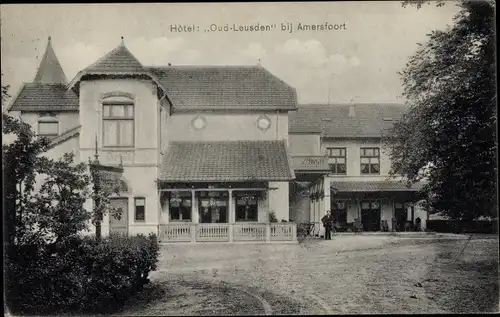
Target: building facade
x=213 y=153
x=204 y=149
x=342 y=143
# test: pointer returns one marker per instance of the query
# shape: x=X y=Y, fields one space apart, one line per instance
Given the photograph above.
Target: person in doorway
x=327 y=223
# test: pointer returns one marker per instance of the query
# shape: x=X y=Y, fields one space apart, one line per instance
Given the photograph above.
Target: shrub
x=81 y=274
x=272 y=217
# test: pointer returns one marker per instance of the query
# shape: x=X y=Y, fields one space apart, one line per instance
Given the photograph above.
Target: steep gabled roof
x=345 y=120
x=50 y=70
x=119 y=60
x=224 y=87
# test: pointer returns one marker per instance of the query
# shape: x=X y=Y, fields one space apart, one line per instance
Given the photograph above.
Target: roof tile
x=373 y=186
x=225 y=86
x=45 y=97
x=119 y=60
x=369 y=120
x=226 y=161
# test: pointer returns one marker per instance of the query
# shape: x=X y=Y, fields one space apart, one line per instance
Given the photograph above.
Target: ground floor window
x=180 y=206
x=213 y=207
x=246 y=207
x=140 y=208
x=370 y=215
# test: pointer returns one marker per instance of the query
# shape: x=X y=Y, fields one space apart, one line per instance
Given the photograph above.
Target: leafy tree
x=450 y=127
x=54 y=211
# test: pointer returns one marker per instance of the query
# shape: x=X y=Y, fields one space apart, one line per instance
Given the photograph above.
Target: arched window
x=118 y=121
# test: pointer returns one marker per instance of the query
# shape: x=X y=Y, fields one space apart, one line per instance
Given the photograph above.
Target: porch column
x=231 y=216
x=327 y=193
x=194 y=211
x=194 y=216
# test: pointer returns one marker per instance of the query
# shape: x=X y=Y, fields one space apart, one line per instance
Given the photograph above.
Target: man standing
x=327 y=223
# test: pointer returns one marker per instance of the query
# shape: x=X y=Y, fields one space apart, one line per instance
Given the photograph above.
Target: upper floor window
x=370 y=160
x=337 y=160
x=48 y=129
x=118 y=123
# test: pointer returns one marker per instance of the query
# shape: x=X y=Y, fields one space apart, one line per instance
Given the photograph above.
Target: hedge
x=80 y=275
x=460 y=226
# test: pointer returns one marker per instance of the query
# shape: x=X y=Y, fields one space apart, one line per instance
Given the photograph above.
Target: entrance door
x=119 y=225
x=370 y=215
x=401 y=216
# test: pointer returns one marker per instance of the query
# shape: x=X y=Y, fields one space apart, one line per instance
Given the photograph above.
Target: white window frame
x=111 y=102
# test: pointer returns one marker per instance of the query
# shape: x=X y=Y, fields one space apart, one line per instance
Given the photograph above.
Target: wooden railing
x=283 y=232
x=249 y=232
x=212 y=232
x=224 y=232
x=176 y=232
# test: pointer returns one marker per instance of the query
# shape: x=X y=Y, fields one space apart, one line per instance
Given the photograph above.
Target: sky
x=357 y=60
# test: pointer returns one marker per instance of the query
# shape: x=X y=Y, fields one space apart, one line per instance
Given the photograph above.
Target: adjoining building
x=342 y=142
x=209 y=152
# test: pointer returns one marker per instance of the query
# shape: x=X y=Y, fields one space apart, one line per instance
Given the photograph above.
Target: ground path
x=347 y=275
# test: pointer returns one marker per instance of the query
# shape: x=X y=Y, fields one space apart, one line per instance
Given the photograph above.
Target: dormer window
x=48 y=129
x=118 y=122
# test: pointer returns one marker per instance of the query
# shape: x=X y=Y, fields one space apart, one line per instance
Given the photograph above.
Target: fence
x=224 y=232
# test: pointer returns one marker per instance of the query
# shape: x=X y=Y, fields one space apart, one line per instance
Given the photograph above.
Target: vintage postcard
x=250 y=158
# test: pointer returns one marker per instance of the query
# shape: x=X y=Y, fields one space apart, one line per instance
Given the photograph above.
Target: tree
x=450 y=127
x=55 y=211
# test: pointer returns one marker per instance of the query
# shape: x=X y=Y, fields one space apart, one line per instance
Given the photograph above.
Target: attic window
x=48 y=129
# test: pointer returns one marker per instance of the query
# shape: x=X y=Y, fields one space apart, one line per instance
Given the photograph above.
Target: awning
x=225 y=161
x=374 y=186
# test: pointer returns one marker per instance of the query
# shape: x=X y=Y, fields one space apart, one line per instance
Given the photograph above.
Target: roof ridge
x=222 y=141
x=326 y=105
x=204 y=66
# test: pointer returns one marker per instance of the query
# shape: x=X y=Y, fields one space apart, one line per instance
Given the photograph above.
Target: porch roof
x=374 y=186
x=223 y=161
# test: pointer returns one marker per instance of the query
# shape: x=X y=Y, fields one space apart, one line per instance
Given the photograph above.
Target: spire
x=50 y=70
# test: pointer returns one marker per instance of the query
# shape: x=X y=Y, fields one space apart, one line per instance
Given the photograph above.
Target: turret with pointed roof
x=118 y=62
x=50 y=70
x=48 y=90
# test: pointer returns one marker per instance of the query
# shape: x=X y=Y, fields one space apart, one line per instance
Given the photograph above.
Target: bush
x=272 y=217
x=82 y=274
x=461 y=226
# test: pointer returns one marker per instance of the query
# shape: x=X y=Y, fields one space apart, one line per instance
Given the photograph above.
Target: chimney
x=352 y=111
